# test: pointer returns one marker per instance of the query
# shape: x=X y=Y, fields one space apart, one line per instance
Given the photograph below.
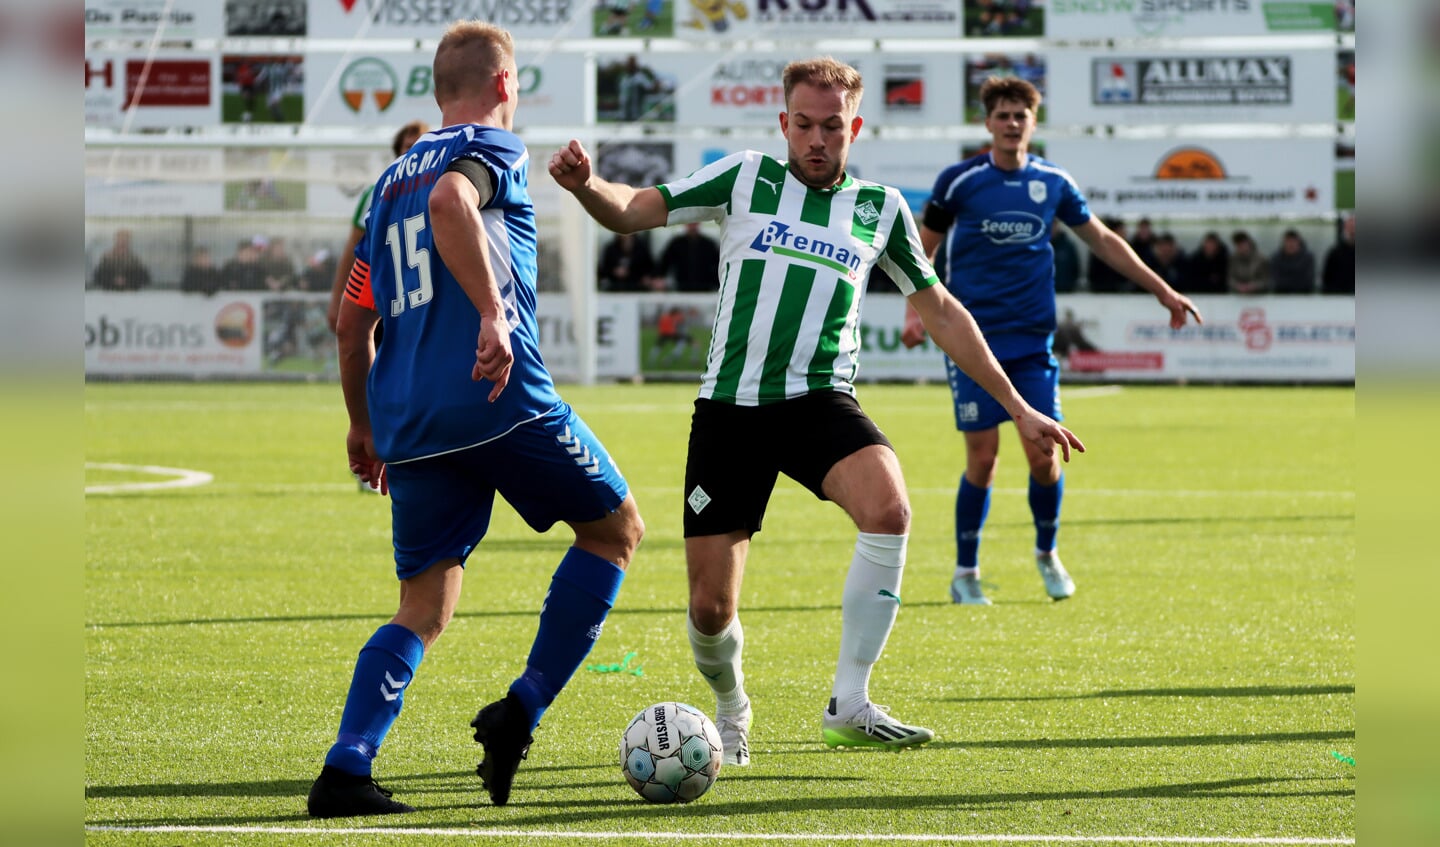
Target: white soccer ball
x=671 y=753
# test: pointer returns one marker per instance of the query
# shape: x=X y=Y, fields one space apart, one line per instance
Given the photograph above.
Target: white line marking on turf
x=1092 y=391
x=1156 y=493
x=826 y=837
x=183 y=478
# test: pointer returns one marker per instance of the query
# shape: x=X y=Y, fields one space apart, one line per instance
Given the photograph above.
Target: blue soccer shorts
x=1036 y=377
x=549 y=469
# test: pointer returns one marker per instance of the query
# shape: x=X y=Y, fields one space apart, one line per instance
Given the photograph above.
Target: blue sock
x=386 y=665
x=1045 y=507
x=580 y=596
x=972 y=504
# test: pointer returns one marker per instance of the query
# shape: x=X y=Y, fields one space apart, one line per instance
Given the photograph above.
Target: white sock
x=872 y=599
x=718 y=659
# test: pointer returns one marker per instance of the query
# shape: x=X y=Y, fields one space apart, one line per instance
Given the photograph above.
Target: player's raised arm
x=615 y=206
x=1115 y=252
x=952 y=327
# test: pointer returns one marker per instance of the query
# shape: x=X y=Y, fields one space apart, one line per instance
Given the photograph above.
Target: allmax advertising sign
x=1191 y=87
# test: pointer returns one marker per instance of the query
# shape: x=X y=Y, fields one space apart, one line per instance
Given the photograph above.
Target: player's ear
x=855 y=124
x=784 y=122
x=501 y=88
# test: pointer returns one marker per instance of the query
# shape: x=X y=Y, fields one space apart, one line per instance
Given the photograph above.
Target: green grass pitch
x=1194 y=687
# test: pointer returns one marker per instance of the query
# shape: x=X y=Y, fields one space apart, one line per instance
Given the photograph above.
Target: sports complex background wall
x=215 y=124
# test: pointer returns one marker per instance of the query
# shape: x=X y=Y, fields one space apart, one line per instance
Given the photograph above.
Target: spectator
x=692 y=259
x=1292 y=266
x=1143 y=242
x=201 y=275
x=1070 y=336
x=319 y=271
x=244 y=272
x=636 y=84
x=626 y=264
x=1103 y=278
x=1339 y=274
x=1168 y=262
x=1207 y=271
x=1249 y=270
x=120 y=269
x=1067 y=259
x=275 y=260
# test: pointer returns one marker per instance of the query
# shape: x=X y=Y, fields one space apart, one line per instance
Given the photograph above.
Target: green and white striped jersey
x=793 y=266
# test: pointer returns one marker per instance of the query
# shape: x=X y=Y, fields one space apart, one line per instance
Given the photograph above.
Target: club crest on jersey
x=867 y=213
x=1037 y=191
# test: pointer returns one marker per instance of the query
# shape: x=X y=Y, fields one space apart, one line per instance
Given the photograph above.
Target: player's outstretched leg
x=1058 y=583
x=717 y=657
x=972 y=504
x=503 y=729
x=383 y=670
x=580 y=597
x=1045 y=509
x=870 y=726
x=869 y=607
x=337 y=794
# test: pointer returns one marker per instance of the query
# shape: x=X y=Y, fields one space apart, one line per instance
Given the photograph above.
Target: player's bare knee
x=890 y=517
x=710 y=612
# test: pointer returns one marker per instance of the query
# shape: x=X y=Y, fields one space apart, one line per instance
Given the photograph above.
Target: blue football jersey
x=422 y=400
x=1001 y=265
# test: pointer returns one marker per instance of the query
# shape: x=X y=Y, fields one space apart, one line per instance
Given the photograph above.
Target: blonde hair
x=825 y=72
x=470 y=52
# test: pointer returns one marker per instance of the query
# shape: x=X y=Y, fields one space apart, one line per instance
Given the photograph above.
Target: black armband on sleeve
x=937 y=218
x=478 y=175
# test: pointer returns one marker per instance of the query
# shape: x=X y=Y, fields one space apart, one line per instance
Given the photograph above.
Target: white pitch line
x=183 y=478
x=1152 y=493
x=826 y=837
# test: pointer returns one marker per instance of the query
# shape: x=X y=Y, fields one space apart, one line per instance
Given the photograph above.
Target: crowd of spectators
x=260 y=263
x=1212 y=267
x=1216 y=264
x=689 y=262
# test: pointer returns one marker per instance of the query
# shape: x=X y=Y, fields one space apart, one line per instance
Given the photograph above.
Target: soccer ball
x=671 y=753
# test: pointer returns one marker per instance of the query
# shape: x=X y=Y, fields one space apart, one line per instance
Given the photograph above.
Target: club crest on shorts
x=698 y=500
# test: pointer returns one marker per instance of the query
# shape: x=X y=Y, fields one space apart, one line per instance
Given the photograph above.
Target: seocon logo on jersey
x=1013 y=228
x=779 y=239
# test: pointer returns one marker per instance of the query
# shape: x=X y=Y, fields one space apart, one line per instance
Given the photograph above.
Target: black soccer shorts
x=737 y=452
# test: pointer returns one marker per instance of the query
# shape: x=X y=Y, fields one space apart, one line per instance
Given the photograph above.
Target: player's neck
x=475 y=112
x=1010 y=161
